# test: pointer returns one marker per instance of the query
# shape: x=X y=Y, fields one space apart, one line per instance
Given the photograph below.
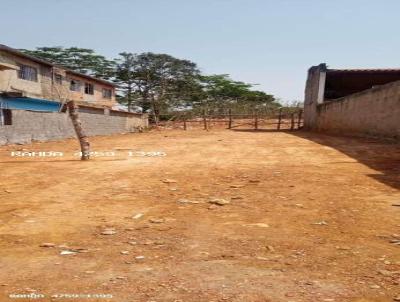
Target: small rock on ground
x=261 y=225
x=137 y=216
x=108 y=232
x=156 y=220
x=47 y=244
x=169 y=181
x=219 y=201
x=183 y=200
x=67 y=253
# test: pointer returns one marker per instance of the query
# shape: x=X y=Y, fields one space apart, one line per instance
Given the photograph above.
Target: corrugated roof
x=44 y=62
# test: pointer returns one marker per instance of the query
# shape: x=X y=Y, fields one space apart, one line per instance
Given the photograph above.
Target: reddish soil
x=310 y=218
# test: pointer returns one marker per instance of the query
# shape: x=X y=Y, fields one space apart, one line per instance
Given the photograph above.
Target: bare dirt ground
x=309 y=218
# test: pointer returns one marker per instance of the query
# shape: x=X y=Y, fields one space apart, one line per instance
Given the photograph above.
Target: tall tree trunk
x=80 y=133
x=129 y=94
x=156 y=112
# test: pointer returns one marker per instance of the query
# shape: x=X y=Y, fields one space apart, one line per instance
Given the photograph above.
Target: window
x=89 y=88
x=75 y=85
x=107 y=93
x=28 y=73
x=5 y=117
x=58 y=78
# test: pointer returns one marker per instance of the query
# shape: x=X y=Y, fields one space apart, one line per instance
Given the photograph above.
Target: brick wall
x=28 y=126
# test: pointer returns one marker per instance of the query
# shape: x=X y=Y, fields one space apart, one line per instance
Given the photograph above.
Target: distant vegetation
x=161 y=84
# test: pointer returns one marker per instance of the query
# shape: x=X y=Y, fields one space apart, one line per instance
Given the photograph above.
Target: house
x=33 y=92
x=27 y=82
x=362 y=102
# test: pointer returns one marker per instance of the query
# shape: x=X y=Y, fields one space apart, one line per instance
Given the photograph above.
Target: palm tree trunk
x=80 y=133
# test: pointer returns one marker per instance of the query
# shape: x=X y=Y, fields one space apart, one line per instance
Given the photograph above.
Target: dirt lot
x=309 y=218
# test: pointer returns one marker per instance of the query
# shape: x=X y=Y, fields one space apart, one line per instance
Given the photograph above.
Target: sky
x=270 y=43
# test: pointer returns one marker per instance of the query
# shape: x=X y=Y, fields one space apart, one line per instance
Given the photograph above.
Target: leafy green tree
x=52 y=54
x=160 y=83
x=82 y=60
x=258 y=100
x=221 y=93
x=126 y=77
x=156 y=82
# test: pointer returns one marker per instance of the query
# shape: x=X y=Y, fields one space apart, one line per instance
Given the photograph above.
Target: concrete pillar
x=321 y=86
x=314 y=95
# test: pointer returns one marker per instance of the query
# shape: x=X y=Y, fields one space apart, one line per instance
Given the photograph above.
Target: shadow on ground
x=380 y=155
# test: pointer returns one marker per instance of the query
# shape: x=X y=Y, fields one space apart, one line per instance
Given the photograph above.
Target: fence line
x=279 y=120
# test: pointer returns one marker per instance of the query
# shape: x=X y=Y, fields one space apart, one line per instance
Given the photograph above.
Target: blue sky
x=268 y=42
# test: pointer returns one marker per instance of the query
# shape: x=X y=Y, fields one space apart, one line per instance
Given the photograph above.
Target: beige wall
x=45 y=87
x=96 y=98
x=374 y=112
x=10 y=82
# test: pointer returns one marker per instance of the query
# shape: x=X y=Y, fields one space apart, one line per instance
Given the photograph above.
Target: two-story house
x=27 y=82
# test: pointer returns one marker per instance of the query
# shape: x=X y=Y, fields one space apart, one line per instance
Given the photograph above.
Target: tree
x=82 y=60
x=156 y=81
x=126 y=77
x=221 y=92
x=160 y=83
x=258 y=100
x=80 y=133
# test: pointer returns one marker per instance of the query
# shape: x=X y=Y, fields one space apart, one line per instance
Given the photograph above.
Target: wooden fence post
x=205 y=120
x=184 y=122
x=292 y=121
x=279 y=119
x=299 y=120
x=255 y=121
x=230 y=119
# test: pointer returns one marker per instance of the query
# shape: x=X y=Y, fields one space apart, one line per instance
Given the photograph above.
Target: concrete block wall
x=28 y=126
x=373 y=112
